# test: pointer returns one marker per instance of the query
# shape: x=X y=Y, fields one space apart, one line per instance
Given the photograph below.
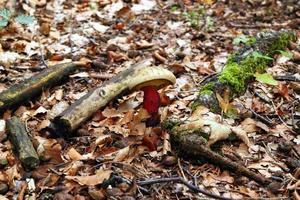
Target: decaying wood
x=22 y=143
x=133 y=78
x=267 y=44
x=191 y=143
x=33 y=86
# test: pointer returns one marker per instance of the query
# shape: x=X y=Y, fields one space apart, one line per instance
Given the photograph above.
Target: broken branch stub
x=241 y=66
x=134 y=78
x=191 y=142
x=33 y=86
x=22 y=143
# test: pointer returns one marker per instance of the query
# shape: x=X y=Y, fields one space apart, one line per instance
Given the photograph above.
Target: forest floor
x=193 y=39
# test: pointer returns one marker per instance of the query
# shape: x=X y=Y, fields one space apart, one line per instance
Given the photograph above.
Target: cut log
x=134 y=78
x=241 y=67
x=22 y=143
x=33 y=86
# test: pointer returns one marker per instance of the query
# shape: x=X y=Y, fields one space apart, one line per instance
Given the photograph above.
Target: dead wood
x=22 y=143
x=133 y=78
x=193 y=144
x=231 y=82
x=241 y=67
x=33 y=86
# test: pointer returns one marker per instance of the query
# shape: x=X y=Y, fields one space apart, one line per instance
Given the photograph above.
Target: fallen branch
x=192 y=143
x=33 y=86
x=22 y=143
x=134 y=78
x=184 y=182
x=231 y=82
x=295 y=78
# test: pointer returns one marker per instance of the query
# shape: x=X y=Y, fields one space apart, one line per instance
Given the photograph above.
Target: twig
x=184 y=182
x=261 y=118
x=280 y=118
x=180 y=169
x=22 y=191
x=288 y=78
x=42 y=55
x=121 y=179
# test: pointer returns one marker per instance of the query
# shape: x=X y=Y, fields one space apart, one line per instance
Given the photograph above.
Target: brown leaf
x=284 y=91
x=74 y=155
x=150 y=140
x=164 y=99
x=125 y=13
x=45 y=28
x=98 y=178
x=224 y=102
x=56 y=57
x=204 y=71
x=120 y=26
x=112 y=57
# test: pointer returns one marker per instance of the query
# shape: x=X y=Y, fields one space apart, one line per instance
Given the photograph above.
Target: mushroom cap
x=158 y=77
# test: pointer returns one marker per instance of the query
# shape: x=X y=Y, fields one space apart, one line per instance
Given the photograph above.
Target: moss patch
x=237 y=75
x=207 y=89
x=284 y=39
x=241 y=67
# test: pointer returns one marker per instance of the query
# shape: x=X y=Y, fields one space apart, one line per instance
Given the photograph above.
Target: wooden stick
x=22 y=143
x=33 y=86
x=133 y=78
x=193 y=144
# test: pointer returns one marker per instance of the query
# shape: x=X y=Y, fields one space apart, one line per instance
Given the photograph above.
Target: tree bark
x=22 y=143
x=133 y=78
x=33 y=86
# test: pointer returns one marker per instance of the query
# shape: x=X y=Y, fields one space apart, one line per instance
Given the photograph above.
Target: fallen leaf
x=284 y=91
x=150 y=140
x=74 y=155
x=224 y=102
x=92 y=180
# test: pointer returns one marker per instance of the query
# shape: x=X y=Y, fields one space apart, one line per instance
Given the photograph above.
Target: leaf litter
x=116 y=143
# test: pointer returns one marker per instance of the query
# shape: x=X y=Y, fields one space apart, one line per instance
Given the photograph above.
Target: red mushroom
x=151 y=103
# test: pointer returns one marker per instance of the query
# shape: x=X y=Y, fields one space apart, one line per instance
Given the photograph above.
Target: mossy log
x=241 y=66
x=131 y=79
x=22 y=143
x=231 y=82
x=33 y=86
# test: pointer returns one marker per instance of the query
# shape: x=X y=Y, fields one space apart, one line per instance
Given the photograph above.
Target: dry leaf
x=74 y=155
x=150 y=140
x=92 y=180
x=121 y=154
x=284 y=91
x=224 y=102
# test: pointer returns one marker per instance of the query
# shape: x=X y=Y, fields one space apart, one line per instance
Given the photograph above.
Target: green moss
x=207 y=88
x=169 y=125
x=284 y=39
x=194 y=105
x=237 y=75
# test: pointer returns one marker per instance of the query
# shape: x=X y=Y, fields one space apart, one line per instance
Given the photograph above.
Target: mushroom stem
x=151 y=103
